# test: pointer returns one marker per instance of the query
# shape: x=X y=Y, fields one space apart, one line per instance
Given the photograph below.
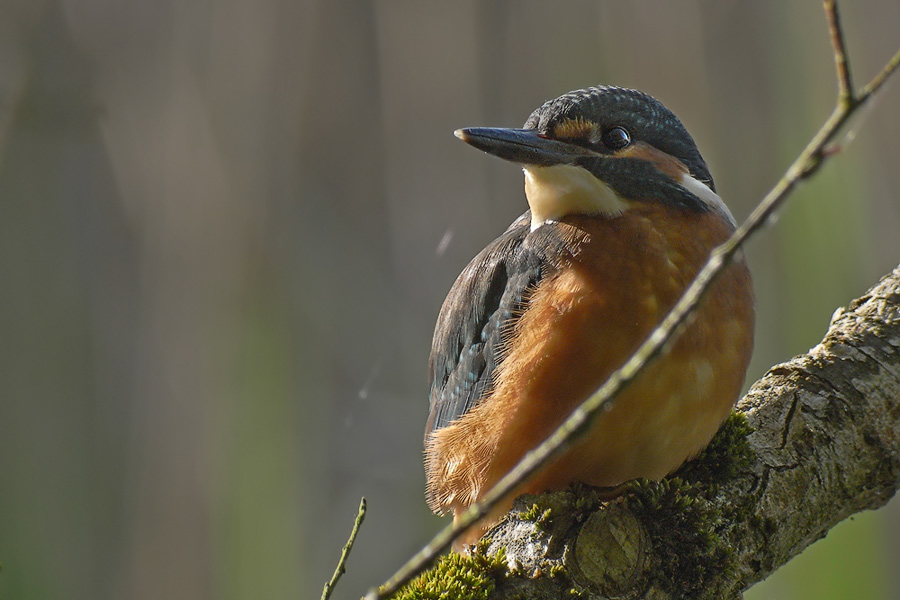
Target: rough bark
x=825 y=443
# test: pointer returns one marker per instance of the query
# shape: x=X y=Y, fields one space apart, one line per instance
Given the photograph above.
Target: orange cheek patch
x=573 y=129
x=666 y=163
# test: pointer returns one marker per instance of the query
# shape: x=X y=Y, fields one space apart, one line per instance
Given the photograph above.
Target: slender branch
x=845 y=82
x=876 y=83
x=807 y=163
x=340 y=569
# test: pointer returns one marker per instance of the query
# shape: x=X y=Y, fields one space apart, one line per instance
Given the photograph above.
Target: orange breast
x=582 y=324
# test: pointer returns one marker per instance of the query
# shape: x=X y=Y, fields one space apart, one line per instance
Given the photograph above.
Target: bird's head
x=599 y=151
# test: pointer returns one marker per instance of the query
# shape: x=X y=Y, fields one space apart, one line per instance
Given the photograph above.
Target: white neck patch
x=559 y=190
x=709 y=197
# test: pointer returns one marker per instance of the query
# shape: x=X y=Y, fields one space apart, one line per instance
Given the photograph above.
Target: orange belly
x=582 y=324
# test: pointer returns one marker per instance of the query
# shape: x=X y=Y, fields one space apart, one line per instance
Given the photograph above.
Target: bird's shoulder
x=480 y=312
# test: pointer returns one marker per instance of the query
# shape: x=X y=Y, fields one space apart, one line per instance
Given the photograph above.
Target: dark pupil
x=616 y=138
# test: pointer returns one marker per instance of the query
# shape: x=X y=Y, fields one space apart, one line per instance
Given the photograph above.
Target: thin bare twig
x=807 y=163
x=873 y=86
x=340 y=569
x=845 y=82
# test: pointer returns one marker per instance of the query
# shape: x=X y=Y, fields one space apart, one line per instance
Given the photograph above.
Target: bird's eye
x=616 y=138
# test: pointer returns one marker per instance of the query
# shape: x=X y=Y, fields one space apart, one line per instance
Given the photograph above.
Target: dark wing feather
x=464 y=351
x=482 y=306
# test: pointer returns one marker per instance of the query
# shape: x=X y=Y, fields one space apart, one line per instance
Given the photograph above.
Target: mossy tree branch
x=814 y=441
x=823 y=444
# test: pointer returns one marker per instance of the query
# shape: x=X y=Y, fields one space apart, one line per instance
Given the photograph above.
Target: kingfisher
x=623 y=213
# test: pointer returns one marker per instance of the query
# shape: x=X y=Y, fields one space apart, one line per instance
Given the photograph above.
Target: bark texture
x=825 y=444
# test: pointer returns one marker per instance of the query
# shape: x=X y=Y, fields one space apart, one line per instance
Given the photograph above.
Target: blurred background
x=227 y=226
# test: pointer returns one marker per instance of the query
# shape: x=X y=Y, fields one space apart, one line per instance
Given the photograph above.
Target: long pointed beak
x=524 y=146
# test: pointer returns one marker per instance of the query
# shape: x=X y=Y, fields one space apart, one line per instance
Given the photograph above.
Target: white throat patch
x=559 y=190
